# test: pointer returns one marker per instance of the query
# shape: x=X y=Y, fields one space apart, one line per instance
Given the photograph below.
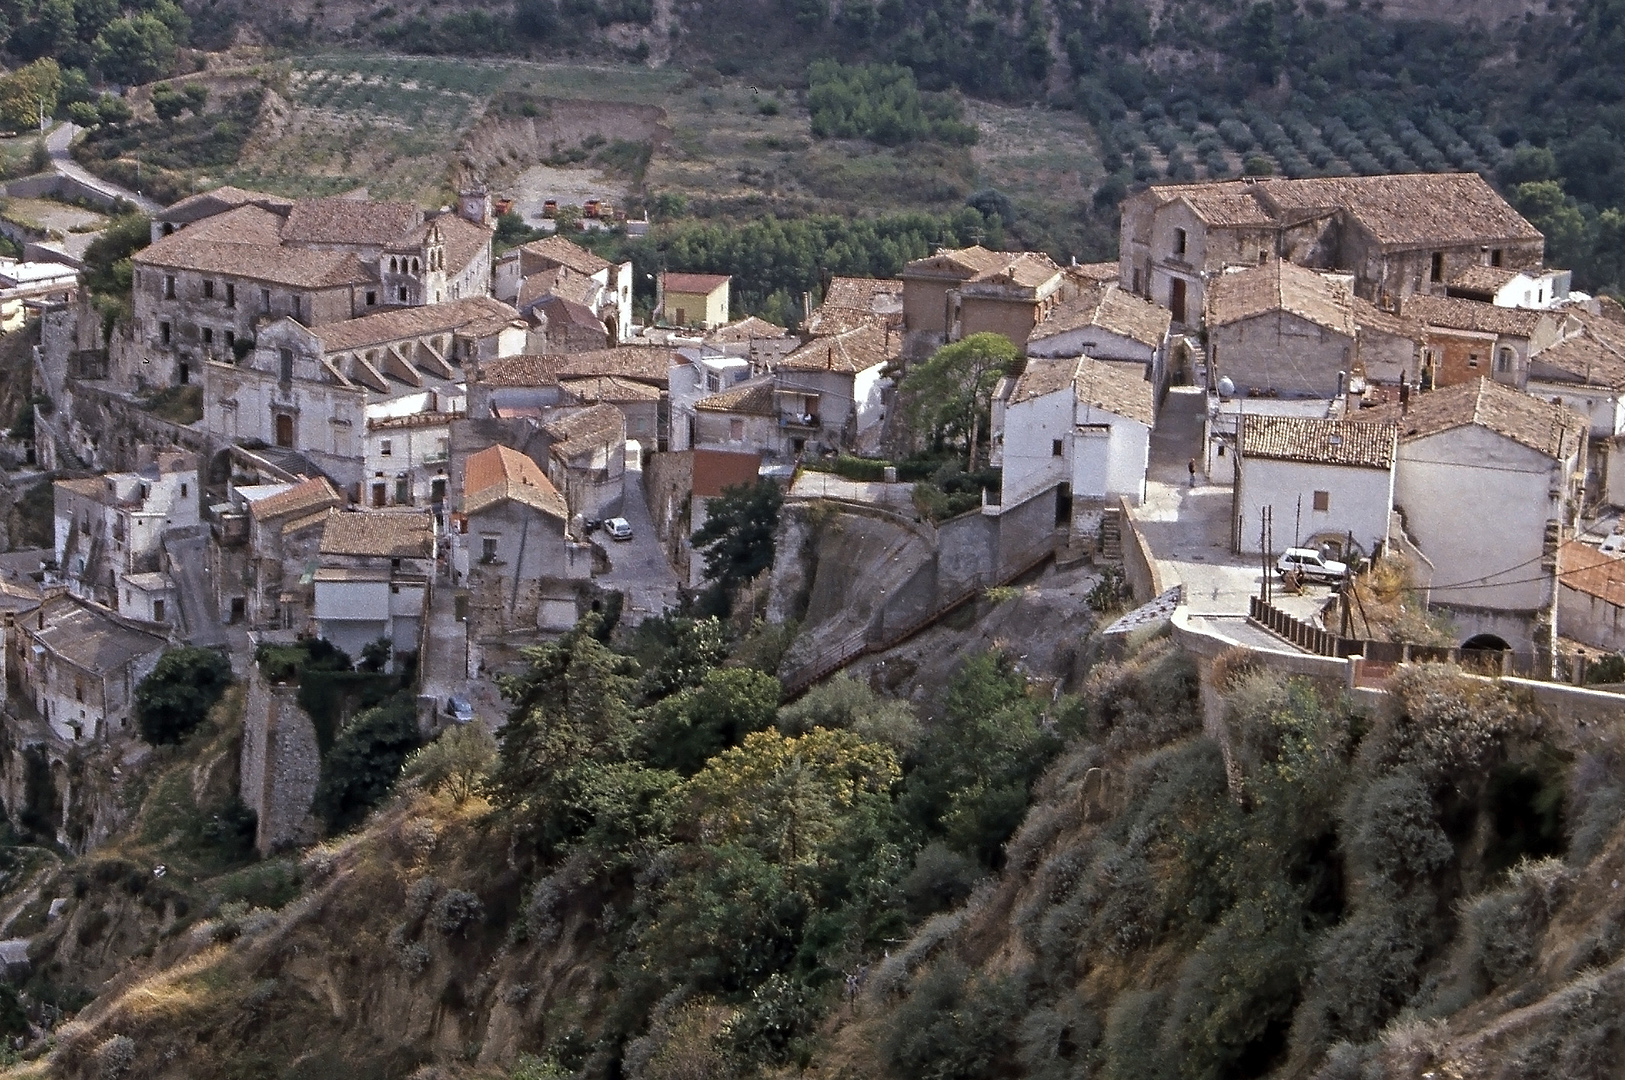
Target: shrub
x=1391 y=832
x=941 y=878
x=955 y=1026
x=455 y=909
x=365 y=761
x=176 y=697
x=457 y=762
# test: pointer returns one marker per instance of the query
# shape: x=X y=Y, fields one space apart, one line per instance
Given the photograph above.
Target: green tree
x=737 y=537
x=167 y=102
x=176 y=697
x=951 y=393
x=113 y=110
x=366 y=760
x=457 y=762
x=135 y=49
x=690 y=727
x=28 y=91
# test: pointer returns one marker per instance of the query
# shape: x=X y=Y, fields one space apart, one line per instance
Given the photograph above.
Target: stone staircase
x=1111 y=534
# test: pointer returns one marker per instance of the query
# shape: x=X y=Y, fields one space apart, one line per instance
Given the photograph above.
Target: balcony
x=800 y=421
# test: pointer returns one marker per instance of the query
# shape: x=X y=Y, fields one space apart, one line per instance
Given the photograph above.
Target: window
x=183 y=491
x=1437 y=273
x=265 y=301
x=1179 y=241
x=79 y=689
x=1495 y=257
x=208 y=290
x=284 y=359
x=1323 y=500
x=1472 y=360
x=1503 y=360
x=1136 y=288
x=208 y=335
x=386 y=448
x=231 y=339
x=157 y=611
x=736 y=430
x=402 y=294
x=169 y=286
x=488 y=548
x=298 y=307
x=163 y=332
x=372 y=297
x=403 y=490
x=1055 y=448
x=231 y=295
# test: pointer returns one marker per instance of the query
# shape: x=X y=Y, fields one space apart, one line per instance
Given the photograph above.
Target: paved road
x=1188 y=527
x=188 y=568
x=57 y=142
x=638 y=566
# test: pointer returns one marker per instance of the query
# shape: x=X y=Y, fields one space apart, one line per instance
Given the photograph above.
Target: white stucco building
x=1323 y=481
x=1079 y=426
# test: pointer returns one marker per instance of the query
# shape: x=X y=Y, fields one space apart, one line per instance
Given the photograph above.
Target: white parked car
x=1313 y=565
x=618 y=528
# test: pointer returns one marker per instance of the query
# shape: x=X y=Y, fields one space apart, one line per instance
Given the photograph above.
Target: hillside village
x=406 y=441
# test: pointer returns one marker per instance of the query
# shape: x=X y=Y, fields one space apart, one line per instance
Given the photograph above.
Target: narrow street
x=57 y=143
x=638 y=566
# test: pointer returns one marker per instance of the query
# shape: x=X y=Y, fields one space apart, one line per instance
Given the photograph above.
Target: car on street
x=1312 y=564
x=460 y=709
x=618 y=528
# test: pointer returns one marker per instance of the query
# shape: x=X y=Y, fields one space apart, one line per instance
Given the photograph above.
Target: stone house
x=830 y=393
x=754 y=340
x=953 y=294
x=559 y=327
x=202 y=290
x=691 y=300
x=712 y=472
x=1591 y=596
x=513 y=386
x=1324 y=481
x=1586 y=372
x=638 y=402
x=1485 y=480
x=79 y=666
x=695 y=373
x=513 y=547
x=1103 y=321
x=317 y=388
x=1389 y=346
x=283 y=535
x=373 y=579
x=1078 y=426
x=603 y=287
x=1467 y=339
x=1281 y=328
x=1397 y=235
x=587 y=458
x=743 y=419
x=110 y=529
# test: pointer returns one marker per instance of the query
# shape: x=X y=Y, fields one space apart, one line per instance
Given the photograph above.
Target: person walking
x=1193 y=472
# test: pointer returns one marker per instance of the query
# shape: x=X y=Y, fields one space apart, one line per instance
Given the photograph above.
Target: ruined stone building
x=1397 y=235
x=110 y=531
x=553 y=266
x=79 y=666
x=225 y=263
x=953 y=294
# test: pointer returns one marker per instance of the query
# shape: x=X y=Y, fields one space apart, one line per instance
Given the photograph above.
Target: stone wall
x=281 y=764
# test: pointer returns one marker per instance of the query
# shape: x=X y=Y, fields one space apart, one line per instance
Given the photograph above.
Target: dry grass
x=1388 y=607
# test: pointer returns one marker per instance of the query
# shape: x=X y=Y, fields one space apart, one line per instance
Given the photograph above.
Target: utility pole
x=1297 y=524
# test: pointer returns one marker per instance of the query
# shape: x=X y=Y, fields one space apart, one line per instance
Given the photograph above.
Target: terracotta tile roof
x=1111 y=309
x=1095 y=272
x=1355 y=443
x=500 y=473
x=878 y=296
x=645 y=363
x=218 y=200
x=608 y=388
x=1553 y=430
x=477 y=315
x=90 y=640
x=560 y=281
x=341 y=220
x=1409 y=209
x=89 y=487
x=1278 y=285
x=1029 y=269
x=1583 y=358
x=750 y=400
x=395 y=534
x=528 y=370
x=246 y=243
x=827 y=321
x=740 y=331
x=1583 y=568
x=715 y=470
x=1488 y=279
x=958 y=262
x=856 y=350
x=693 y=283
x=1454 y=313
x=301 y=499
x=1368 y=316
x=577 y=431
x=558 y=250
x=561 y=312
x=1402 y=210
x=1119 y=389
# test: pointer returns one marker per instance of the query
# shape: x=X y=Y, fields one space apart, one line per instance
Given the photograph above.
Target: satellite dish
x=1226 y=387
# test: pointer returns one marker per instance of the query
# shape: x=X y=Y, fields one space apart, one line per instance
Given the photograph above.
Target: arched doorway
x=1486 y=643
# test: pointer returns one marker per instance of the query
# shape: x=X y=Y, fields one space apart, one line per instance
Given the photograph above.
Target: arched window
x=415 y=267
x=394 y=265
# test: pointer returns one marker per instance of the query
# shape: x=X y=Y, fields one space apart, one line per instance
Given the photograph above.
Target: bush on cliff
x=172 y=701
